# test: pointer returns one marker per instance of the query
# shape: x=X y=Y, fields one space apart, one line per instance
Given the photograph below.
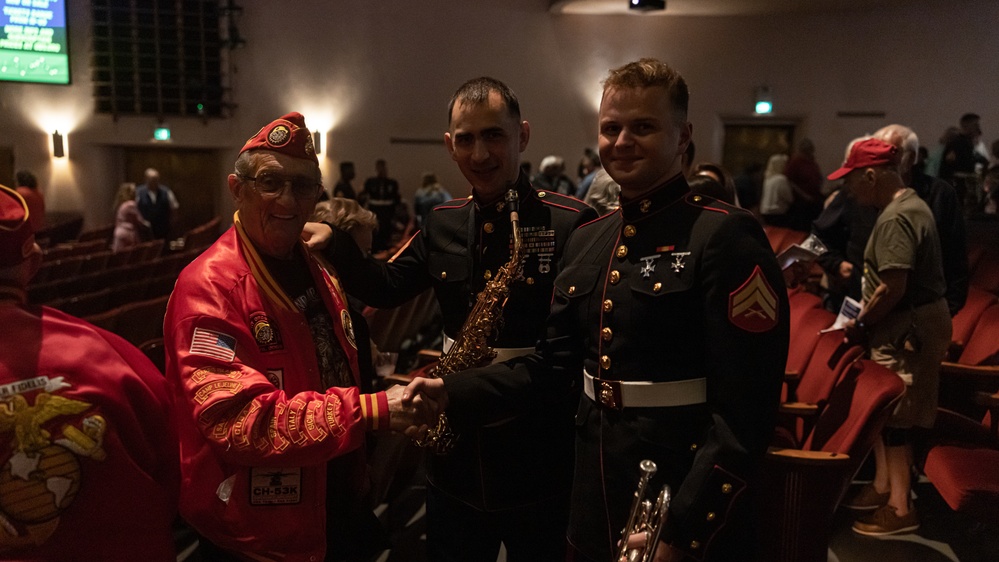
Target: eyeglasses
x=272 y=185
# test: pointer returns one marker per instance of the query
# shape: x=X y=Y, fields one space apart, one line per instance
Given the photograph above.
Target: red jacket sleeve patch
x=753 y=306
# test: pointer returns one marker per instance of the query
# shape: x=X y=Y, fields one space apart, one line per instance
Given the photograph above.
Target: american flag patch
x=213 y=344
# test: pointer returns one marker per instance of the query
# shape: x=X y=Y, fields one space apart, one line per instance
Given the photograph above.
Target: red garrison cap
x=867 y=153
x=16 y=236
x=287 y=135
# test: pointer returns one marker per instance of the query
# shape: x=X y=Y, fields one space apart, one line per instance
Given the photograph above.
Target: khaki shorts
x=913 y=342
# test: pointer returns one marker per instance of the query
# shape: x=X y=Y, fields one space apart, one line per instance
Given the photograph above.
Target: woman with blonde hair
x=129 y=226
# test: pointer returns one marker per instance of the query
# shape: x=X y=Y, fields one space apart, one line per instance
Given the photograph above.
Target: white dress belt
x=645 y=394
x=502 y=353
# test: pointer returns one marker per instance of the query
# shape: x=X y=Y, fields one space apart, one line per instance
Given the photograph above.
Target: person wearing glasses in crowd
x=262 y=358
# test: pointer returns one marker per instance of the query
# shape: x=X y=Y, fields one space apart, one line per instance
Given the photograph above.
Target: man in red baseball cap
x=263 y=360
x=87 y=445
x=905 y=323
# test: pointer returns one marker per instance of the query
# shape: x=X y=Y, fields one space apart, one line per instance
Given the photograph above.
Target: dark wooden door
x=196 y=177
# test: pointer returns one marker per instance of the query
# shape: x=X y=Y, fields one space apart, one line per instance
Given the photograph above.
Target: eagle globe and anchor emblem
x=41 y=475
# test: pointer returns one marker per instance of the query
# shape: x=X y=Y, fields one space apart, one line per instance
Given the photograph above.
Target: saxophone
x=471 y=347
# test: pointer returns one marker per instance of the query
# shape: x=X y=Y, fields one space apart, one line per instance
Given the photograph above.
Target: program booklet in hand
x=809 y=249
x=848 y=311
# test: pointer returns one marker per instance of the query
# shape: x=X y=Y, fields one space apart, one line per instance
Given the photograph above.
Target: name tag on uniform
x=275 y=486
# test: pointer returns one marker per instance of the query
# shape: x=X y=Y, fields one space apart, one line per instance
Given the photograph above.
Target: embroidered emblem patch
x=279 y=136
x=267 y=336
x=275 y=486
x=753 y=306
x=276 y=377
x=213 y=344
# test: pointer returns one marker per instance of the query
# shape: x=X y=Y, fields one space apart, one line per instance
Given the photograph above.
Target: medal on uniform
x=679 y=260
x=650 y=264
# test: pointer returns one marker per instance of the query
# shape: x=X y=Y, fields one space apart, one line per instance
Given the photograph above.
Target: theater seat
x=801 y=487
x=966 y=319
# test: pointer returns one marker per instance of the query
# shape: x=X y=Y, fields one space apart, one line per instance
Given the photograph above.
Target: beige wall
x=377 y=70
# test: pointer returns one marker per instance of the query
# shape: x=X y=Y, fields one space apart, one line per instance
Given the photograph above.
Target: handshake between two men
x=414 y=408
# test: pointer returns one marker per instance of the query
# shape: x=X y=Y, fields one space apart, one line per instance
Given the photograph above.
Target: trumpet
x=644 y=518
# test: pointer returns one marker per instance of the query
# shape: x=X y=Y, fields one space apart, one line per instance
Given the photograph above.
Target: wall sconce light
x=58 y=149
x=764 y=100
x=317 y=141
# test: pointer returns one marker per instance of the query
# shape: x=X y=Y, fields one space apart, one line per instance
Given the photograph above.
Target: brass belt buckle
x=609 y=394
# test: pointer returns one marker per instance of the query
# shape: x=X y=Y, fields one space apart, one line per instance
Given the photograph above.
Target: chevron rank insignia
x=753 y=306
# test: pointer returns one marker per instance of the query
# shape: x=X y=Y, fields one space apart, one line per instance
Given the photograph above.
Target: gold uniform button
x=697 y=198
x=608 y=305
x=693 y=446
x=443 y=275
x=657 y=287
x=645 y=205
x=542 y=194
x=487 y=275
x=694 y=545
x=630 y=231
x=500 y=206
x=605 y=362
x=572 y=289
x=622 y=251
x=615 y=276
x=606 y=334
x=711 y=516
x=530 y=280
x=726 y=488
x=488 y=227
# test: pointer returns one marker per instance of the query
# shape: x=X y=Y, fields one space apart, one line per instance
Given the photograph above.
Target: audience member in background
x=724 y=181
x=430 y=194
x=27 y=185
x=991 y=188
x=129 y=227
x=263 y=361
x=960 y=159
x=157 y=204
x=905 y=324
x=90 y=449
x=777 y=193
x=551 y=176
x=588 y=167
x=749 y=187
x=381 y=196
x=947 y=212
x=343 y=188
x=604 y=193
x=806 y=180
x=935 y=154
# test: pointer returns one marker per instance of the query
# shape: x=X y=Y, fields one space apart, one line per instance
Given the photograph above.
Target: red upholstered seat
x=966 y=319
x=967 y=478
x=983 y=345
x=802 y=487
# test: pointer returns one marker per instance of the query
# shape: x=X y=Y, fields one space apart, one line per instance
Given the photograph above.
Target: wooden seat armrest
x=988 y=374
x=800 y=409
x=427 y=356
x=792 y=375
x=800 y=457
x=989 y=400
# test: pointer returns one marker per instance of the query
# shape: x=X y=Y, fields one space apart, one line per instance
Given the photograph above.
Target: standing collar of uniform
x=267 y=283
x=498 y=207
x=658 y=198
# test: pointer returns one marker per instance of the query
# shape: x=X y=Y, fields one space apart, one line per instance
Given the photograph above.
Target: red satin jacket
x=256 y=427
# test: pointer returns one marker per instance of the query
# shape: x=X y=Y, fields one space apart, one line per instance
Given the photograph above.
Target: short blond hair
x=650 y=72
